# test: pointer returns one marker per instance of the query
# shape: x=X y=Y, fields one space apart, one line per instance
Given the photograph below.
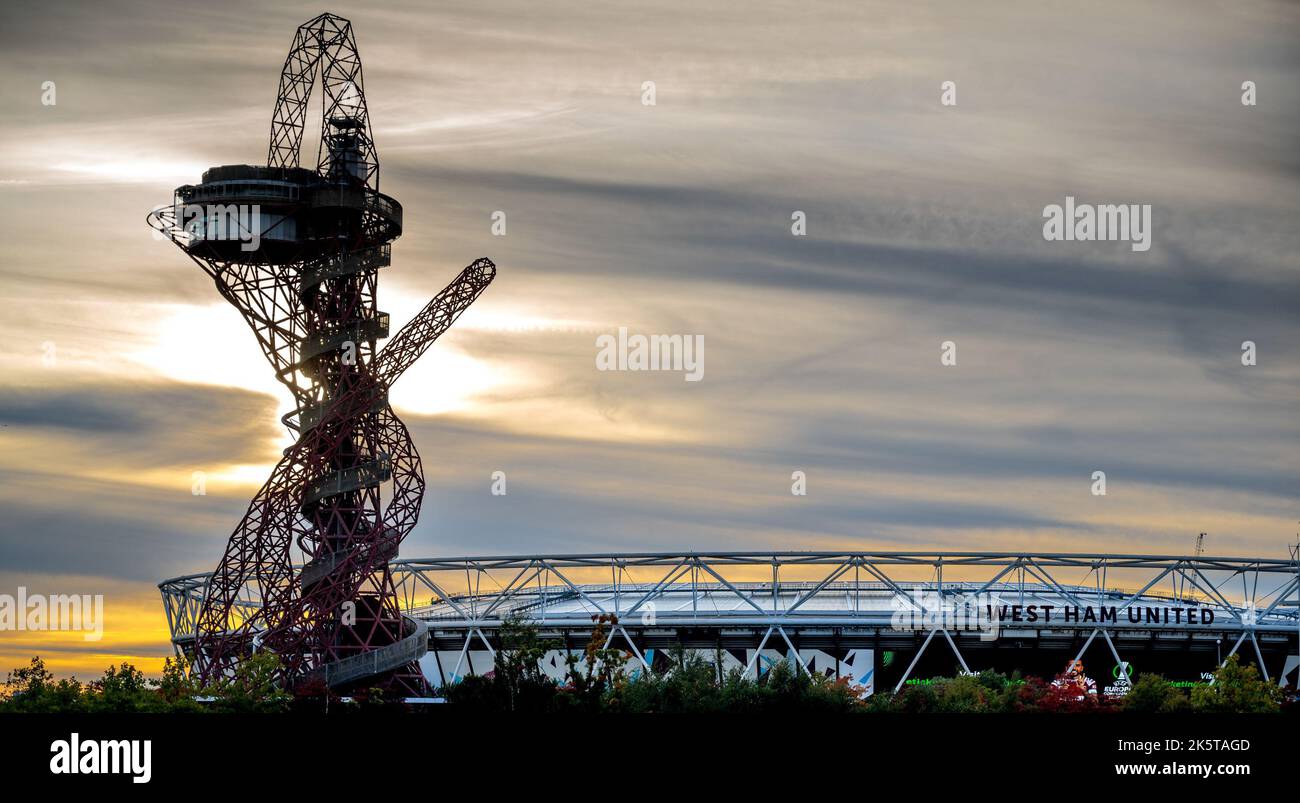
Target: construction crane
x=303 y=271
x=1180 y=579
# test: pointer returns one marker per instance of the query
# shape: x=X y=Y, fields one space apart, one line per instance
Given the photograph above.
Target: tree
x=965 y=694
x=28 y=681
x=918 y=698
x=32 y=689
x=313 y=695
x=1237 y=689
x=376 y=699
x=1022 y=695
x=689 y=685
x=519 y=674
x=517 y=682
x=475 y=692
x=176 y=689
x=122 y=689
x=1152 y=694
x=788 y=686
x=255 y=687
x=587 y=686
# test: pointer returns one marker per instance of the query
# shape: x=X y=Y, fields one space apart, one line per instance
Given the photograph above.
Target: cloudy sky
x=124 y=373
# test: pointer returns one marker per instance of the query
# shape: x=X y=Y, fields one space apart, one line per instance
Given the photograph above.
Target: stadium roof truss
x=778 y=592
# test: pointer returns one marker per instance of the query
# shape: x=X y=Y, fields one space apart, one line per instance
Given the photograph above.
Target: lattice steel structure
x=813 y=601
x=298 y=252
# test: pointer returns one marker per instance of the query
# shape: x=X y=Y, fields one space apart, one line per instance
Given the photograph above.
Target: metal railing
x=352 y=478
x=410 y=648
x=318 y=343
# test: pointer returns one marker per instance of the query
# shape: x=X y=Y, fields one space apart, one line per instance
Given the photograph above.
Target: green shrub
x=1152 y=694
x=255 y=688
x=1237 y=689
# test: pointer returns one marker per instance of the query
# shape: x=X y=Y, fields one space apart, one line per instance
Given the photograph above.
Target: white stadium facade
x=879 y=619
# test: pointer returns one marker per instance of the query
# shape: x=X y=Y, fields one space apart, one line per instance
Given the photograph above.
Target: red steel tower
x=297 y=251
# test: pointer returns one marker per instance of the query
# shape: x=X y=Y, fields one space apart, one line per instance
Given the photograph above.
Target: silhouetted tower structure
x=298 y=251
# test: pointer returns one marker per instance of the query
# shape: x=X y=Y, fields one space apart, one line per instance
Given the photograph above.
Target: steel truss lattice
x=349 y=489
x=778 y=593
